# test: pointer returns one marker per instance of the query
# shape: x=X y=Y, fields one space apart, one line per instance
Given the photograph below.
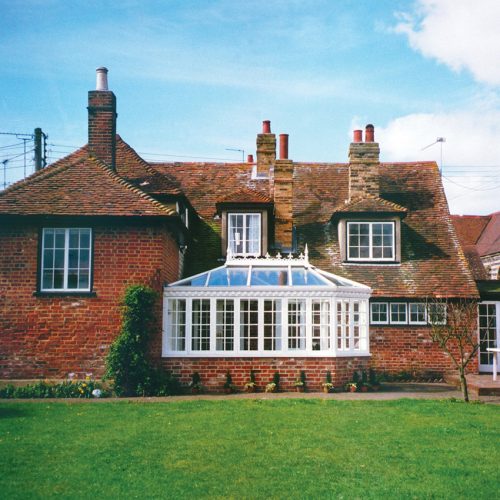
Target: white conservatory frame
x=347 y=310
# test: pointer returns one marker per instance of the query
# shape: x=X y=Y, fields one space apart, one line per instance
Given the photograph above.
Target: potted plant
x=364 y=386
x=275 y=384
x=327 y=385
x=374 y=380
x=251 y=386
x=195 y=383
x=351 y=386
x=300 y=383
x=229 y=387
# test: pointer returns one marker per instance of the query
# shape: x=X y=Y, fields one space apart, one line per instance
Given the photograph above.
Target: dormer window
x=370 y=241
x=244 y=233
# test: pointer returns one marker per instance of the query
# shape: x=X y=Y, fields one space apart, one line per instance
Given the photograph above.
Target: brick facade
x=49 y=336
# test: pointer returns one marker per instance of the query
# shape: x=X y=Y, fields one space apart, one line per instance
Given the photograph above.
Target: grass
x=249 y=448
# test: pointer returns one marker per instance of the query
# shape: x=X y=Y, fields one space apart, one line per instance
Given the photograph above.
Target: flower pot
x=353 y=389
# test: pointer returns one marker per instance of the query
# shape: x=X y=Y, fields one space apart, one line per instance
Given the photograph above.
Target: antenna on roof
x=440 y=140
x=242 y=151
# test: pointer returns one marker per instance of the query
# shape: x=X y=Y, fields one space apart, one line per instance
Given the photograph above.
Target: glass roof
x=266 y=272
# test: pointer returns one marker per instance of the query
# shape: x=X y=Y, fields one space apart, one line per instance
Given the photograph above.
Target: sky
x=195 y=79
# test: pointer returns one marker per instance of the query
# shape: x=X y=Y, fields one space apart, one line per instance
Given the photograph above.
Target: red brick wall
x=397 y=349
x=213 y=370
x=51 y=336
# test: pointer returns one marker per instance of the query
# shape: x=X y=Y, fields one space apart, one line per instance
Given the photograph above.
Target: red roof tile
x=370 y=203
x=244 y=195
x=469 y=227
x=433 y=263
x=78 y=185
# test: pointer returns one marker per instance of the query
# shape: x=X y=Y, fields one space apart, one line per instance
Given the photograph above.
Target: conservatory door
x=489 y=334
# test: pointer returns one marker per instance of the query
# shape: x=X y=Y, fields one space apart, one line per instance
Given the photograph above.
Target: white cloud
x=471 y=157
x=462 y=34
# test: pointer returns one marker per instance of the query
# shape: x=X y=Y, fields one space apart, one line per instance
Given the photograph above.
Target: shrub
x=127 y=363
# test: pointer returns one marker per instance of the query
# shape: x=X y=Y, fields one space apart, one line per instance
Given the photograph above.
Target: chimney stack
x=249 y=158
x=102 y=120
x=364 y=162
x=266 y=148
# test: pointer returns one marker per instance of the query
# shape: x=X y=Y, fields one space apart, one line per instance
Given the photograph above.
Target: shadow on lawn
x=8 y=412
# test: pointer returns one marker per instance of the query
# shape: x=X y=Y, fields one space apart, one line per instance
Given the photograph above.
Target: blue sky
x=195 y=78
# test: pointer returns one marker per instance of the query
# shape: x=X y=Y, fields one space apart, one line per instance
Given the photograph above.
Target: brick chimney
x=364 y=162
x=283 y=197
x=266 y=148
x=102 y=120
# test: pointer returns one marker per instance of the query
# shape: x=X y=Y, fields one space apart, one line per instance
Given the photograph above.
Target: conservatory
x=265 y=307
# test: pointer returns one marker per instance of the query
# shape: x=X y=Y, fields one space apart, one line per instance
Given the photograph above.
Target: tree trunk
x=463 y=385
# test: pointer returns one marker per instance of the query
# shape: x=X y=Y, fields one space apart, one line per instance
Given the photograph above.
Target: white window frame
x=414 y=322
x=372 y=321
x=371 y=258
x=245 y=216
x=405 y=322
x=65 y=287
x=343 y=340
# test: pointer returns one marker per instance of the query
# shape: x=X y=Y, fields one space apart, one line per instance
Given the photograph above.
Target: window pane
x=58 y=278
x=85 y=238
x=249 y=327
x=72 y=279
x=84 y=280
x=201 y=325
x=269 y=277
x=74 y=238
x=176 y=324
x=73 y=259
x=398 y=313
x=225 y=325
x=272 y=325
x=320 y=325
x=296 y=324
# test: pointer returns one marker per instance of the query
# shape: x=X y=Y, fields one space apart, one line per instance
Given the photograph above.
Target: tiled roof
x=205 y=183
x=138 y=172
x=489 y=242
x=433 y=263
x=244 y=195
x=475 y=263
x=469 y=227
x=370 y=203
x=78 y=185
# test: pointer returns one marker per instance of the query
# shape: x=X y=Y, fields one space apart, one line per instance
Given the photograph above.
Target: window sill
x=371 y=263
x=64 y=293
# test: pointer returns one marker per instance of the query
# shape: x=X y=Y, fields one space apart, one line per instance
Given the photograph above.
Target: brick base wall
x=213 y=370
x=51 y=336
x=410 y=349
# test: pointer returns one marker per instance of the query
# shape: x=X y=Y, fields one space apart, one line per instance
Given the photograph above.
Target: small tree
x=454 y=328
x=127 y=362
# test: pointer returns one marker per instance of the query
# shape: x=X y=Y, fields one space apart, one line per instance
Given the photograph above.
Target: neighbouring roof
x=78 y=185
x=433 y=263
x=480 y=230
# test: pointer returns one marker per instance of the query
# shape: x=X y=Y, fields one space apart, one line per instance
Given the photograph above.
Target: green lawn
x=250 y=448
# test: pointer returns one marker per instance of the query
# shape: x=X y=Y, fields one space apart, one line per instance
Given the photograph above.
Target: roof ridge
x=357 y=199
x=131 y=187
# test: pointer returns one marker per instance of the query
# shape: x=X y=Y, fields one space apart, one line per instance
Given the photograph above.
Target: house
x=270 y=265
x=479 y=236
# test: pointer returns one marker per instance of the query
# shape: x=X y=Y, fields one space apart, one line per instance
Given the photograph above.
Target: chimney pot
x=358 y=136
x=101 y=79
x=266 y=127
x=250 y=159
x=283 y=146
x=370 y=133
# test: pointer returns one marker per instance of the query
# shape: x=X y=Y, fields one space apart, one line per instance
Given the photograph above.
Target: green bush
x=127 y=363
